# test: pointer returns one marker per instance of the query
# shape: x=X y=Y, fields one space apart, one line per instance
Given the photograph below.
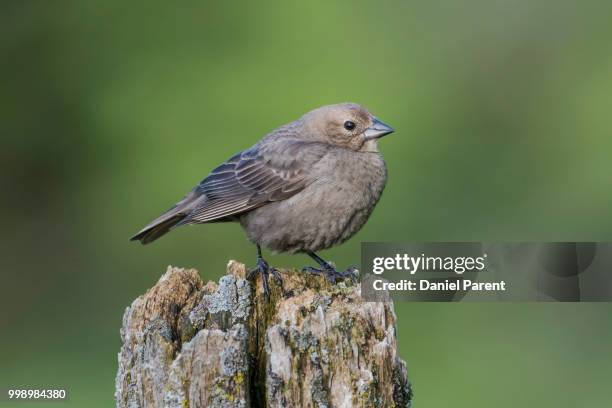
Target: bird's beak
x=378 y=129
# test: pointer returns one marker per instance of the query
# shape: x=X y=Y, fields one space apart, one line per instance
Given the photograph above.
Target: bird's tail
x=168 y=220
x=155 y=230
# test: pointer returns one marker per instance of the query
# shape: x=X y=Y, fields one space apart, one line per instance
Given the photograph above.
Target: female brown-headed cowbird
x=304 y=187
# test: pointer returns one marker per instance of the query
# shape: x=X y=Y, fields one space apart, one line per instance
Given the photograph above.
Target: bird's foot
x=331 y=273
x=265 y=270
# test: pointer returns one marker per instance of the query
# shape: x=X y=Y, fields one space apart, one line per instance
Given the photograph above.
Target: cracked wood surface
x=190 y=344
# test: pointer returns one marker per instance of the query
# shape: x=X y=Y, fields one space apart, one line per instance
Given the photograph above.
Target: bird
x=304 y=187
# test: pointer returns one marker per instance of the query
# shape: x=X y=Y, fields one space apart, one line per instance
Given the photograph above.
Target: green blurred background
x=110 y=111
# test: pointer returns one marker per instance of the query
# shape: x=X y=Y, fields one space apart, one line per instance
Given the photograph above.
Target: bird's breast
x=333 y=207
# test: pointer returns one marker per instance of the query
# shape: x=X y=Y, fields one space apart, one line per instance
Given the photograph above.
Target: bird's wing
x=254 y=177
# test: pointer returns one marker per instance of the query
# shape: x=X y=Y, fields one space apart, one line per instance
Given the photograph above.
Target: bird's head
x=346 y=125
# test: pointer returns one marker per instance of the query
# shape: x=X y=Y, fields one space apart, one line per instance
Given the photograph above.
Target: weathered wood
x=189 y=344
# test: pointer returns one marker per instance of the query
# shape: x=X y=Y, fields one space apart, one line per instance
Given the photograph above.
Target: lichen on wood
x=313 y=344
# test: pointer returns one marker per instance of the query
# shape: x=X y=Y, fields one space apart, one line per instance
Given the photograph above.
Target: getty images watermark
x=478 y=271
x=422 y=263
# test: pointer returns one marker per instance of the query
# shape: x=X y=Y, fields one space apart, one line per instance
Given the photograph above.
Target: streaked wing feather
x=246 y=181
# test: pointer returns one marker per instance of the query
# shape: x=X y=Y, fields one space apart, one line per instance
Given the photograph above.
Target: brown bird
x=306 y=186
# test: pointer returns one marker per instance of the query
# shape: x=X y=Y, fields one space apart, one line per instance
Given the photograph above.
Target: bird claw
x=265 y=270
x=330 y=273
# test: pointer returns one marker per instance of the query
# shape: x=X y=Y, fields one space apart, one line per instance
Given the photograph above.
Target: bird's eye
x=348 y=125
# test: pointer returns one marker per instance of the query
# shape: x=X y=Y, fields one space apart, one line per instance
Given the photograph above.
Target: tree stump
x=313 y=344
